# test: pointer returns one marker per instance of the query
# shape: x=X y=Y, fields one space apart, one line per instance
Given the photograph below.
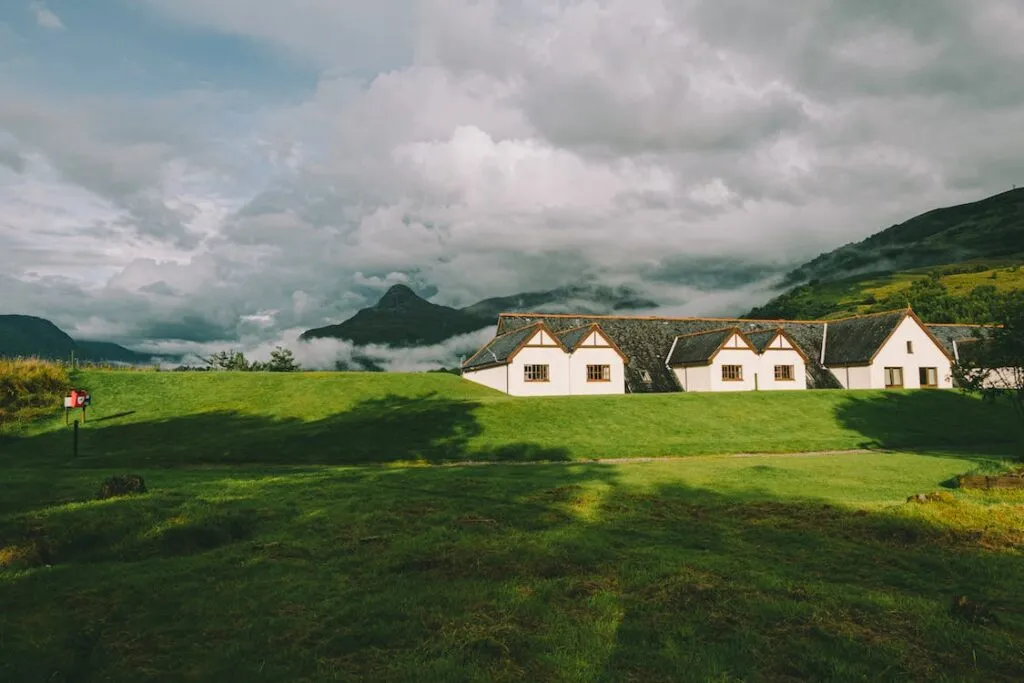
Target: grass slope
x=768 y=568
x=175 y=419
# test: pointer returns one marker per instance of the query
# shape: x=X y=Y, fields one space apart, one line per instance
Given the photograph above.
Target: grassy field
x=181 y=419
x=273 y=546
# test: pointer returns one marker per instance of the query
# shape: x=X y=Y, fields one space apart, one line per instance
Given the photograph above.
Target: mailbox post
x=79 y=398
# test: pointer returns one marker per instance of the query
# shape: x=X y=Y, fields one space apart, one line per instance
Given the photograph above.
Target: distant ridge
x=27 y=335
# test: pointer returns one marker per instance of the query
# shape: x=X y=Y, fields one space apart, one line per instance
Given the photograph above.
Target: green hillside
x=952 y=265
x=150 y=418
x=955 y=293
x=254 y=556
x=992 y=228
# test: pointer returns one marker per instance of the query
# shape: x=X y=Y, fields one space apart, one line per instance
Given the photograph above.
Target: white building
x=887 y=351
x=558 y=354
x=534 y=361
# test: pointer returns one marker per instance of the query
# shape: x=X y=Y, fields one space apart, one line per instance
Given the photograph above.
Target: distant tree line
x=933 y=302
x=281 y=360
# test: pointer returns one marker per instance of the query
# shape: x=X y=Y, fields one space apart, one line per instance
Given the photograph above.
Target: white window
x=929 y=378
x=645 y=377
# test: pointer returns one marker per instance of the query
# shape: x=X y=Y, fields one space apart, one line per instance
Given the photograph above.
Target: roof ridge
x=657 y=317
x=719 y=329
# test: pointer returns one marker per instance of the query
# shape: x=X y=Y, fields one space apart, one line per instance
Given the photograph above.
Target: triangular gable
x=924 y=328
x=777 y=340
x=701 y=348
x=590 y=336
x=546 y=339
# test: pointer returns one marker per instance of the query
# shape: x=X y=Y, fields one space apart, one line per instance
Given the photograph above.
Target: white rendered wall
x=557 y=361
x=490 y=377
x=582 y=357
x=729 y=355
x=697 y=378
x=926 y=354
x=766 y=374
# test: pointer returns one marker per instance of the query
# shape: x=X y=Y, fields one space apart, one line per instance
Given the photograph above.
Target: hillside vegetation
x=26 y=336
x=954 y=293
x=952 y=265
x=30 y=389
x=163 y=419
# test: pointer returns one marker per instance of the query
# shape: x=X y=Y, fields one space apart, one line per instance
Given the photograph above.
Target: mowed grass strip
x=766 y=568
x=182 y=419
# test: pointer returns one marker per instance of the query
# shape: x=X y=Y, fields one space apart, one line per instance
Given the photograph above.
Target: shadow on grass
x=933 y=421
x=427 y=429
x=505 y=573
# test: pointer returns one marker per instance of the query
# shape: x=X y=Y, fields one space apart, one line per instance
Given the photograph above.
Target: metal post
x=74 y=448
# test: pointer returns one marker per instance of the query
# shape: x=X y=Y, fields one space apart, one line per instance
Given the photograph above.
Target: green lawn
x=274 y=546
x=180 y=419
x=773 y=568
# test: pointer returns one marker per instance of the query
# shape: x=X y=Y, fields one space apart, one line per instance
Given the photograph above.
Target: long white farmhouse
x=536 y=354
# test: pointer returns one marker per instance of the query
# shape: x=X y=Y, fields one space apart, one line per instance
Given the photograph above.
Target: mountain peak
x=398 y=296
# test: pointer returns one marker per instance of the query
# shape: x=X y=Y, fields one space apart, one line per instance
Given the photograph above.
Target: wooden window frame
x=790 y=370
x=922 y=372
x=534 y=380
x=737 y=378
x=886 y=378
x=910 y=347
x=604 y=372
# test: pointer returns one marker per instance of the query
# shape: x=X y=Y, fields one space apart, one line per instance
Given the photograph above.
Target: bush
x=121 y=485
x=31 y=388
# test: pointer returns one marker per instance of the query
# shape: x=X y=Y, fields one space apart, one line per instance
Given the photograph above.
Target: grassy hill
x=160 y=419
x=954 y=293
x=255 y=556
x=953 y=265
x=990 y=228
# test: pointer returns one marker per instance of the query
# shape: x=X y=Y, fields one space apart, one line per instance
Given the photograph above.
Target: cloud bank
x=693 y=150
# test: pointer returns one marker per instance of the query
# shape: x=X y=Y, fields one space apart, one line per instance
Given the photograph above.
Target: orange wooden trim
x=541 y=327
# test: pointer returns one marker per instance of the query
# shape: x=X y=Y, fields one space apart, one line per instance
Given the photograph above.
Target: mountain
x=26 y=335
x=589 y=299
x=954 y=264
x=402 y=318
x=992 y=228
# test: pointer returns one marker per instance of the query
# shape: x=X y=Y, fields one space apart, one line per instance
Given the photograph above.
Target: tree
x=228 y=360
x=992 y=363
x=282 y=360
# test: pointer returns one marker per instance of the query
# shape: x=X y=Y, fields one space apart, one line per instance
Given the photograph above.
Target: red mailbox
x=79 y=398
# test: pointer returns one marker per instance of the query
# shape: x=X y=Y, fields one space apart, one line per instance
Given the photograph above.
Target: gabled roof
x=857 y=340
x=574 y=336
x=700 y=348
x=503 y=348
x=761 y=339
x=646 y=342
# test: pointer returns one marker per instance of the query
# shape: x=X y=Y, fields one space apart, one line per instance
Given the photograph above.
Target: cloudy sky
x=177 y=172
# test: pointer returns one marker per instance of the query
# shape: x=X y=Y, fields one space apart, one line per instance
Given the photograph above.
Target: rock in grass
x=121 y=485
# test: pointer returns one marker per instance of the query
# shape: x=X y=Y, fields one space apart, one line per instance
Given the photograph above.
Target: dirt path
x=670 y=458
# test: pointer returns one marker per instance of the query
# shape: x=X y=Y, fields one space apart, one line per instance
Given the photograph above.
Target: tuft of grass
x=30 y=389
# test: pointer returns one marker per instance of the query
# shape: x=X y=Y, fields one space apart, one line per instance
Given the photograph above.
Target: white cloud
x=45 y=17
x=481 y=148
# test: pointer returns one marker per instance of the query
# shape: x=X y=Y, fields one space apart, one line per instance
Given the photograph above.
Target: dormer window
x=645 y=376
